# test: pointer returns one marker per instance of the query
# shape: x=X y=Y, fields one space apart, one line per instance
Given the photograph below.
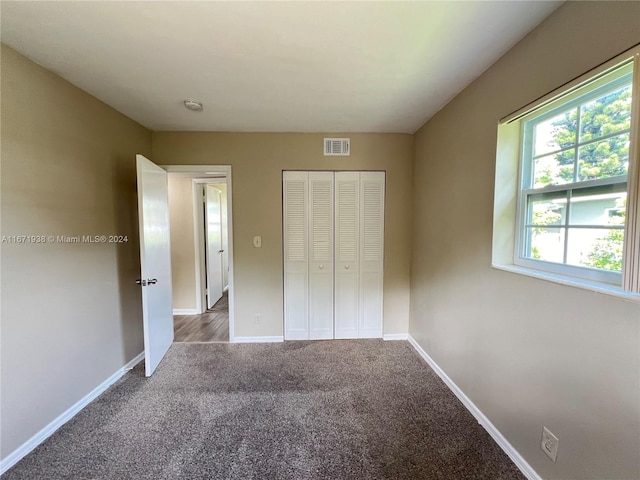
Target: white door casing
x=155 y=261
x=213 y=230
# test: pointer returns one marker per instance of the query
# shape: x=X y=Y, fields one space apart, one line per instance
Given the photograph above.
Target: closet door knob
x=347 y=267
x=321 y=267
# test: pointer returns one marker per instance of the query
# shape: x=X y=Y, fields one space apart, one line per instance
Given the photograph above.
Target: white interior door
x=213 y=245
x=347 y=246
x=296 y=259
x=155 y=261
x=320 y=255
x=225 y=234
x=371 y=254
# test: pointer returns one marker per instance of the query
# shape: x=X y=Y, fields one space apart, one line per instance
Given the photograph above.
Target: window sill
x=597 y=287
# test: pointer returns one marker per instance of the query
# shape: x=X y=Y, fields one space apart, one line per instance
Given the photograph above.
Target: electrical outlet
x=549 y=444
x=258 y=319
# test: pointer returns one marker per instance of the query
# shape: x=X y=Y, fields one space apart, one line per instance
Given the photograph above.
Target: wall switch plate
x=549 y=444
x=257 y=242
x=258 y=319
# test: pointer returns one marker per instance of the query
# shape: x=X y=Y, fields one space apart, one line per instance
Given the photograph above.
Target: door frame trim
x=206 y=171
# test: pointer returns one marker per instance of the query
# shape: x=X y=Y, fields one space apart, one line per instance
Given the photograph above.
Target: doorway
x=202 y=252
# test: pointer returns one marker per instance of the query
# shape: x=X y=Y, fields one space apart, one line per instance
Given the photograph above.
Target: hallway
x=209 y=327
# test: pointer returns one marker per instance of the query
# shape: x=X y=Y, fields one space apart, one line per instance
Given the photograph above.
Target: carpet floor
x=348 y=409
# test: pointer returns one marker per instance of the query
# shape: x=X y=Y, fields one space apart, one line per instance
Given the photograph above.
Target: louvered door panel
x=296 y=258
x=347 y=242
x=372 y=191
x=321 y=223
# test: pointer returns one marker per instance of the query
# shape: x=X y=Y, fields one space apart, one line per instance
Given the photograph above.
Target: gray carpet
x=353 y=409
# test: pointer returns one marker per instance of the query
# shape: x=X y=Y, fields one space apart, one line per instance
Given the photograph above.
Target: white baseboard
x=396 y=336
x=20 y=452
x=502 y=442
x=257 y=339
x=185 y=311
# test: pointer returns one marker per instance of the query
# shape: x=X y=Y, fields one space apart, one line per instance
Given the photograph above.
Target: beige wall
x=71 y=314
x=527 y=352
x=183 y=270
x=257 y=161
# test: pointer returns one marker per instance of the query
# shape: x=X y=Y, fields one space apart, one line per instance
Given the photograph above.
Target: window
x=575 y=163
x=566 y=198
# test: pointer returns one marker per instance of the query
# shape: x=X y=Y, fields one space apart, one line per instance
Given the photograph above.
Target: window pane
x=605 y=115
x=547 y=208
x=596 y=248
x=545 y=244
x=603 y=159
x=555 y=169
x=604 y=205
x=556 y=133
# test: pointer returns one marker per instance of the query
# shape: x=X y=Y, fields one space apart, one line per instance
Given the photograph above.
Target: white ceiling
x=271 y=66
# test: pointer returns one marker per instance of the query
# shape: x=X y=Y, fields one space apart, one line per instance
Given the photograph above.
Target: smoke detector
x=193 y=105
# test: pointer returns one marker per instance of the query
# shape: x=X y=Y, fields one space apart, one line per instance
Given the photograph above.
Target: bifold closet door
x=372 y=194
x=296 y=259
x=333 y=254
x=347 y=256
x=320 y=255
x=308 y=255
x=359 y=244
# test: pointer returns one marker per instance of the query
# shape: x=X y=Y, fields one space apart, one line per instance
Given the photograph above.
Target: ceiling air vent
x=337 y=147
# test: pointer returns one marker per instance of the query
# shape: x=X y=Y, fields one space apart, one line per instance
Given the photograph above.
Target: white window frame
x=508 y=208
x=619 y=77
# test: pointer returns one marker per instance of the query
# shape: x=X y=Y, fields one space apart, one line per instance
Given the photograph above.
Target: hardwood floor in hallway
x=210 y=327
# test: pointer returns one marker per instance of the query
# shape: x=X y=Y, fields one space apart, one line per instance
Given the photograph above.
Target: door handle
x=347 y=267
x=220 y=251
x=152 y=281
x=144 y=283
